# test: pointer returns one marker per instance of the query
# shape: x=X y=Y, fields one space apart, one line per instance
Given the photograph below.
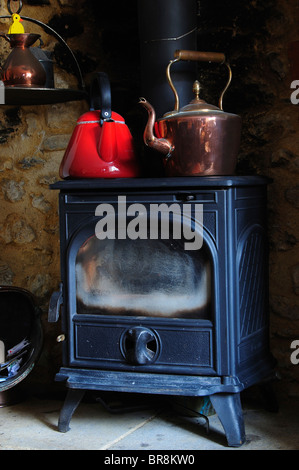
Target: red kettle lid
x=94 y=117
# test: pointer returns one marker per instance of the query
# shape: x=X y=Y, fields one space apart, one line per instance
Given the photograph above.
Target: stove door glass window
x=142 y=278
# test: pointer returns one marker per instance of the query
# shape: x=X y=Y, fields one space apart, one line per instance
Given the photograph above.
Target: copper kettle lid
x=196 y=106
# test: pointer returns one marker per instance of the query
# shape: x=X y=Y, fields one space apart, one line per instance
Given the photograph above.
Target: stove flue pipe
x=165 y=26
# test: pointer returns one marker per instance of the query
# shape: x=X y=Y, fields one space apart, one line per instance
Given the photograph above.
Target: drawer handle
x=184 y=197
x=140 y=346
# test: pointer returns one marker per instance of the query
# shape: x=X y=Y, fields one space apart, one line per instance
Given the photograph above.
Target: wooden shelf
x=22 y=96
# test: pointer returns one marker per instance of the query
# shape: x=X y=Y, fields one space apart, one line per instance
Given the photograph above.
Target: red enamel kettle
x=101 y=145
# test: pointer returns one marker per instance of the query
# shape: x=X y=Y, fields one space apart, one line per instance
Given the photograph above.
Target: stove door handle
x=56 y=301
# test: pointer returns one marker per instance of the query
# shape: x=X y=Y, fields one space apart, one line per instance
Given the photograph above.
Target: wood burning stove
x=148 y=314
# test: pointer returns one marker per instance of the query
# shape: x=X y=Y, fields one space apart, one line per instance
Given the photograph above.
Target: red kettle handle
x=100 y=95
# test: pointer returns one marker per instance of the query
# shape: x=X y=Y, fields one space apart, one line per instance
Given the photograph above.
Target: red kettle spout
x=161 y=145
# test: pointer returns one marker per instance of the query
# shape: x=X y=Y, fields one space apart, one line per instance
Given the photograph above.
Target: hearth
x=177 y=312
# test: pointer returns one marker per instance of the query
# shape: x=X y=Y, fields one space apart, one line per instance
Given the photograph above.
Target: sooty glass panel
x=155 y=278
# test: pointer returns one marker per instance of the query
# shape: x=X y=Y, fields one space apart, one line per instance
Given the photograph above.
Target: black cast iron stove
x=148 y=314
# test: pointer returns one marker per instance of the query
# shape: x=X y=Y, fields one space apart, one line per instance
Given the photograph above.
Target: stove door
x=140 y=302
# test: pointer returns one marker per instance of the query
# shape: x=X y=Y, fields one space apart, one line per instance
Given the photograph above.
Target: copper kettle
x=198 y=139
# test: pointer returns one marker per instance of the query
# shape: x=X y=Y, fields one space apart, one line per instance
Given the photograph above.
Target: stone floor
x=136 y=423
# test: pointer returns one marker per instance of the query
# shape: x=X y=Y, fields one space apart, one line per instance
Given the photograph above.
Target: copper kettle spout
x=161 y=145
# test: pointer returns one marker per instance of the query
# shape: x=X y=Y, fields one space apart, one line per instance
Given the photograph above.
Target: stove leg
x=229 y=410
x=73 y=398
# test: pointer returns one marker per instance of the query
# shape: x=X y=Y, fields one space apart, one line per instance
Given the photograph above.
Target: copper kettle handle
x=217 y=57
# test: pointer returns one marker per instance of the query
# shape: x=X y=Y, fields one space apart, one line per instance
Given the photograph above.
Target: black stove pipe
x=165 y=26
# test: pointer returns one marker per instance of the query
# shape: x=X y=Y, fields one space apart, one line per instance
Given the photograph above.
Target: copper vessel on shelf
x=22 y=68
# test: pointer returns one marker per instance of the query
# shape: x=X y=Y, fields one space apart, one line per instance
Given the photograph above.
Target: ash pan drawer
x=143 y=345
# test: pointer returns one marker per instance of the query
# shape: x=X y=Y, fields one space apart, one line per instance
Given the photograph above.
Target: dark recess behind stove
x=159 y=23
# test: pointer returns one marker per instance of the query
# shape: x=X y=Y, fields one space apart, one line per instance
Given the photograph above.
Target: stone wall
x=259 y=38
